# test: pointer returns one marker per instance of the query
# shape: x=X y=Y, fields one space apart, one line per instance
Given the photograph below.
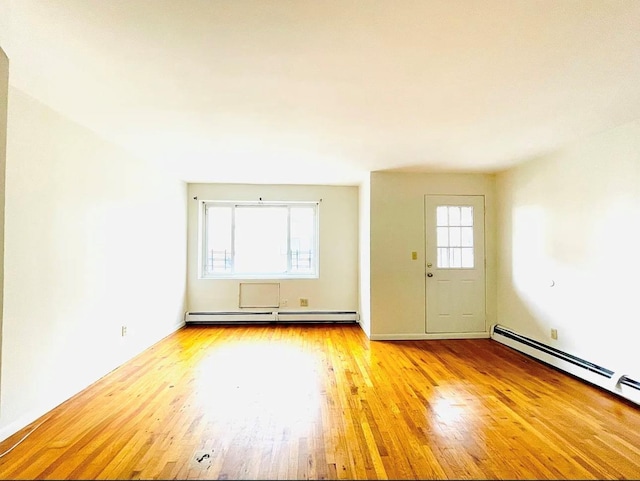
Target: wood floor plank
x=324 y=402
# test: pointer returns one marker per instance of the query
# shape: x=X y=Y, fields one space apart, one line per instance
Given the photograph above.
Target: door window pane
x=454 y=236
x=443 y=237
x=466 y=215
x=467 y=258
x=442 y=215
x=443 y=257
x=455 y=258
x=454 y=215
x=467 y=236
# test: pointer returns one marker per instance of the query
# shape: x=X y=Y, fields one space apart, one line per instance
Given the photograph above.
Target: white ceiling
x=320 y=91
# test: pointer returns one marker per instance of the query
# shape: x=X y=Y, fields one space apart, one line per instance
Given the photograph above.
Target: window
x=455 y=236
x=259 y=240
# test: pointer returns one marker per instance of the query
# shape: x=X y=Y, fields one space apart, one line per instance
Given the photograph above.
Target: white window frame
x=202 y=240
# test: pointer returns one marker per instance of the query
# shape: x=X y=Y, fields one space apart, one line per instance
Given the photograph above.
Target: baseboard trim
x=430 y=336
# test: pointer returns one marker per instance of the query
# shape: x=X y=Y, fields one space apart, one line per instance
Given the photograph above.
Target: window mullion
x=289 y=253
x=233 y=239
x=205 y=240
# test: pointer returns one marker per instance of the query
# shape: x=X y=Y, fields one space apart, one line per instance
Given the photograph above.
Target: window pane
x=454 y=215
x=467 y=258
x=466 y=216
x=441 y=215
x=260 y=240
x=443 y=257
x=443 y=237
x=454 y=236
x=302 y=239
x=467 y=236
x=218 y=240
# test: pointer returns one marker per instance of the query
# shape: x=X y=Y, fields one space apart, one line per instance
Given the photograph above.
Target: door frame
x=460 y=334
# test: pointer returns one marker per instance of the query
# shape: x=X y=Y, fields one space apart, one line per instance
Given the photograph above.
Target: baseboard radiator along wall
x=241 y=317
x=259 y=302
x=622 y=383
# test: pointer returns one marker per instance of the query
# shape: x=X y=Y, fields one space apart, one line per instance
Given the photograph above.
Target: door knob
x=429 y=274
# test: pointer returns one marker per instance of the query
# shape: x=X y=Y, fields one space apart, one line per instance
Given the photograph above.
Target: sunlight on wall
x=616 y=238
x=572 y=217
x=615 y=257
x=577 y=293
x=532 y=267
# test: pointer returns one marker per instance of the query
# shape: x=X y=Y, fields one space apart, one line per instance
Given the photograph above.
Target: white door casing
x=455 y=264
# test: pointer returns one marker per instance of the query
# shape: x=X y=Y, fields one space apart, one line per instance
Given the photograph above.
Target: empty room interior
x=319 y=239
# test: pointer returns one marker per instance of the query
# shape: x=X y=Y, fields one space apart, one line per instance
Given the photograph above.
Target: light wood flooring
x=324 y=402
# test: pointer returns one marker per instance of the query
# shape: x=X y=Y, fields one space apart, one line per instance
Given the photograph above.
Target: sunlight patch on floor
x=272 y=381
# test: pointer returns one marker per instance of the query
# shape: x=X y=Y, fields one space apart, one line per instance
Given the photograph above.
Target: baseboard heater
x=244 y=317
x=617 y=382
x=228 y=317
x=318 y=316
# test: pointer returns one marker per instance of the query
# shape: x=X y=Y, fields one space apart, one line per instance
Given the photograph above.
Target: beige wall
x=397 y=228
x=337 y=287
x=364 y=255
x=94 y=240
x=572 y=219
x=4 y=98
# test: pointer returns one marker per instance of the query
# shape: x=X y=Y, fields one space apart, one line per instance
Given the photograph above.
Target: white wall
x=397 y=228
x=573 y=219
x=94 y=240
x=337 y=287
x=365 y=255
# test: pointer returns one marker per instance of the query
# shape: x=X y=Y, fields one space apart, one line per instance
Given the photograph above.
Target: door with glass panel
x=454 y=264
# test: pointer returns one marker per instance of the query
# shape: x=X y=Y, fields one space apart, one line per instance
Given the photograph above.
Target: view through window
x=260 y=240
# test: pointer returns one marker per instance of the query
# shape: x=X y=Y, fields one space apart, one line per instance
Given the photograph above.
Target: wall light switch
x=414 y=255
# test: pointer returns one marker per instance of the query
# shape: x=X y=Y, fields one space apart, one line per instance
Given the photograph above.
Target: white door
x=455 y=266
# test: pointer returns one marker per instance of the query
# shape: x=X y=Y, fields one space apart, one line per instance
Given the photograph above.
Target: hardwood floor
x=322 y=401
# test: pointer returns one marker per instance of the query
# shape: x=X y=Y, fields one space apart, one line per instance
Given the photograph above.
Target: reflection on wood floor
x=324 y=402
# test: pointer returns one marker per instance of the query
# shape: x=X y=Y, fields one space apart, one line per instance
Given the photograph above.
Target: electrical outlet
x=304 y=302
x=284 y=302
x=554 y=334
x=124 y=331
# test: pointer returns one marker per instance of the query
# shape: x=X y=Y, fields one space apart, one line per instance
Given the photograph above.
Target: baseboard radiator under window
x=621 y=383
x=264 y=316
